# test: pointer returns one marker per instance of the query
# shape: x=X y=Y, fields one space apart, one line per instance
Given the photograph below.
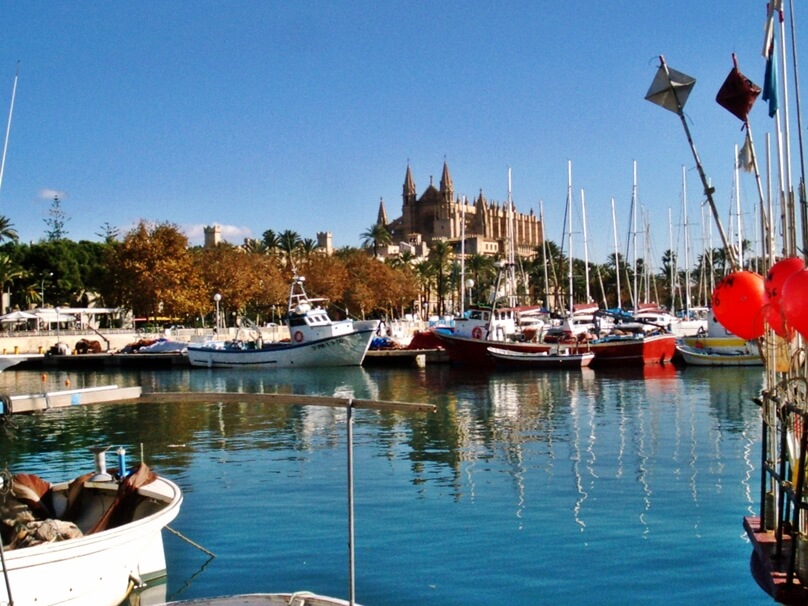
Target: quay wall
x=42 y=341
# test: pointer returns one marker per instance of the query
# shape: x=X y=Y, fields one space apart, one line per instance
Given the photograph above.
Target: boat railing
x=783 y=486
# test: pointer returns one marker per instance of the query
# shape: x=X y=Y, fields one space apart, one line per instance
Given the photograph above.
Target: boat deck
x=769 y=571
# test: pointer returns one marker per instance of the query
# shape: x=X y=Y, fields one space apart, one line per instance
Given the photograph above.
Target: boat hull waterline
x=708 y=357
x=652 y=349
x=517 y=359
x=342 y=350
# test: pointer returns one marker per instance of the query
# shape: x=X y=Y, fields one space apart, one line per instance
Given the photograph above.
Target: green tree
x=56 y=220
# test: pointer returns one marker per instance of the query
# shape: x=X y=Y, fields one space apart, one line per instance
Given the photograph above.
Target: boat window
x=297 y=321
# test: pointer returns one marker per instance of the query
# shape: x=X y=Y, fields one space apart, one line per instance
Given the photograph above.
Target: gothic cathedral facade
x=438 y=215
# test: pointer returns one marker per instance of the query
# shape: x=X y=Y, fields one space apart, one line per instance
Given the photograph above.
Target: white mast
x=586 y=247
x=8 y=127
x=511 y=246
x=544 y=255
x=463 y=257
x=687 y=240
x=635 y=294
x=616 y=256
x=569 y=231
x=738 y=207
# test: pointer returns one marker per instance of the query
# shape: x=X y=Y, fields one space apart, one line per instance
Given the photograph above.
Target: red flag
x=738 y=93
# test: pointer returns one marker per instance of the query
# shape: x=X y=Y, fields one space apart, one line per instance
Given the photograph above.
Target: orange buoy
x=738 y=302
x=777 y=276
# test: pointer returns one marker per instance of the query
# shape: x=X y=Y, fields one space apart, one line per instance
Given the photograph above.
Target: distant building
x=213 y=235
x=438 y=215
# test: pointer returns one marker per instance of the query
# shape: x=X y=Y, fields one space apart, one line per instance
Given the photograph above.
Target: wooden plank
x=280 y=399
x=72 y=397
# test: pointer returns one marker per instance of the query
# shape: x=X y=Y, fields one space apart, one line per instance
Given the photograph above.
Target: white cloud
x=49 y=194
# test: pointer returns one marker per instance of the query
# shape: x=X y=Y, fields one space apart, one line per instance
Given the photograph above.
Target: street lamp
x=216 y=298
x=469 y=286
x=42 y=289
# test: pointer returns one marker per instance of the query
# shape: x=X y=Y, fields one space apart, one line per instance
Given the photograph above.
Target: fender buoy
x=477 y=333
x=298 y=336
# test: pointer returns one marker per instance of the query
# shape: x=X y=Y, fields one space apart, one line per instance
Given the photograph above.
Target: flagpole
x=803 y=198
x=708 y=190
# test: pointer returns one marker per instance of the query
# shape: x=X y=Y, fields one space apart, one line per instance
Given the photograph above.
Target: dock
x=95 y=361
x=771 y=571
x=175 y=360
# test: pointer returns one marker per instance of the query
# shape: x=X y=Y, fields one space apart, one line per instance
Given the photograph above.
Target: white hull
x=712 y=357
x=9 y=360
x=94 y=570
x=342 y=350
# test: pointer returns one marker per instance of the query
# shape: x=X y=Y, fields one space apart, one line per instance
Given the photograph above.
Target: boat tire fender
x=298 y=336
x=5 y=406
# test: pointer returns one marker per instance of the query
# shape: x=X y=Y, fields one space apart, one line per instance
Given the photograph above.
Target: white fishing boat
x=708 y=356
x=316 y=340
x=87 y=542
x=560 y=357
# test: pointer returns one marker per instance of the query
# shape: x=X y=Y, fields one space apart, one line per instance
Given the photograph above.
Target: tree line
x=153 y=271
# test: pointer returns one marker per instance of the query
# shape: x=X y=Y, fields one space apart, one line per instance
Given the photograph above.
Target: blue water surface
x=529 y=487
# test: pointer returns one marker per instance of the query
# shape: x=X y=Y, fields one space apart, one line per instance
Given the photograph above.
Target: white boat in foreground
x=316 y=340
x=301 y=598
x=85 y=542
x=707 y=356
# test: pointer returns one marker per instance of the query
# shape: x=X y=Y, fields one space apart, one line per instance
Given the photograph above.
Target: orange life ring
x=477 y=333
x=298 y=336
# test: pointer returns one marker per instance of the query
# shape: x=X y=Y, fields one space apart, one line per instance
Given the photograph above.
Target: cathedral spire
x=446 y=186
x=409 y=184
x=381 y=219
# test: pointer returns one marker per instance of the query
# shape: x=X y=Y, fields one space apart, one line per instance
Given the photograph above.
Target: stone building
x=438 y=215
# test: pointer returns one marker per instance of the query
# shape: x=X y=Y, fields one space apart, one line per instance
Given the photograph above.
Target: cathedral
x=439 y=215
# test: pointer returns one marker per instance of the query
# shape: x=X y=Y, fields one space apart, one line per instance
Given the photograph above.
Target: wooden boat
x=116 y=526
x=300 y=598
x=316 y=340
x=707 y=356
x=556 y=358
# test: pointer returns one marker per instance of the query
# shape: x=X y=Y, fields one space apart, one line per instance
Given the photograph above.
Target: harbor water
x=525 y=487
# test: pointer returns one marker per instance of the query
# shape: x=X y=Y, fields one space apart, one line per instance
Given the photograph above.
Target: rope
x=190 y=542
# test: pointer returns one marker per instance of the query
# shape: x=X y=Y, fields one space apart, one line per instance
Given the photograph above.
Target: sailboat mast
x=616 y=256
x=586 y=247
x=687 y=240
x=544 y=256
x=511 y=245
x=463 y=257
x=8 y=127
x=737 y=178
x=635 y=294
x=569 y=232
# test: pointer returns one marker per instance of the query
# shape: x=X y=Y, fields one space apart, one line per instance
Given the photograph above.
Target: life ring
x=477 y=333
x=298 y=336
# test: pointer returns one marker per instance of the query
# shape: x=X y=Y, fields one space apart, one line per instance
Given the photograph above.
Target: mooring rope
x=189 y=541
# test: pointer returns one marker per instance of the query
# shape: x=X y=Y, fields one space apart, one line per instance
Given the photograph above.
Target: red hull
x=656 y=349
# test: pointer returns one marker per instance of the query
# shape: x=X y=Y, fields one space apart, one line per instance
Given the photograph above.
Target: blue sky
x=302 y=115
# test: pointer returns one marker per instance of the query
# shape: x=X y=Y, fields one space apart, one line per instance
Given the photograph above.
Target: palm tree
x=271 y=241
x=440 y=255
x=289 y=242
x=376 y=235
x=7 y=231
